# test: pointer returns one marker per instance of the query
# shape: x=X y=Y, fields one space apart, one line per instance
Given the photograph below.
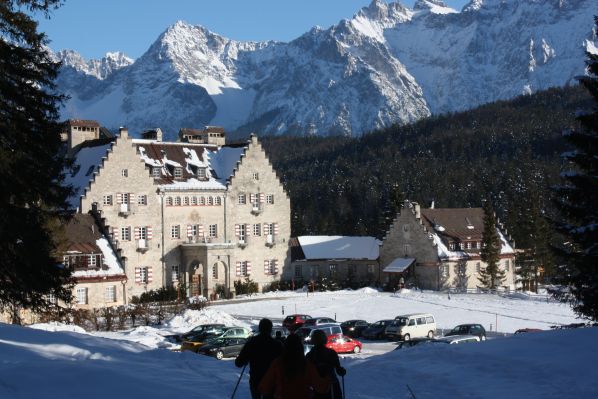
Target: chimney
x=417 y=210
x=124 y=132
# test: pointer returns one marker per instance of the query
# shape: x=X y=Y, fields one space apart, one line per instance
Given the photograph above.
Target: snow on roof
x=399 y=265
x=224 y=161
x=339 y=247
x=87 y=161
x=446 y=254
x=111 y=265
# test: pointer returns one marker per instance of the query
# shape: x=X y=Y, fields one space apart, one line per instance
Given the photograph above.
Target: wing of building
x=198 y=214
x=440 y=248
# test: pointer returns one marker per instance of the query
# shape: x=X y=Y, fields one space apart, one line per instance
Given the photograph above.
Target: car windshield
x=460 y=329
x=401 y=321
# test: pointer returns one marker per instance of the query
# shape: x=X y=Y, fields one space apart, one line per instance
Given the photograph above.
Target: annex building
x=197 y=214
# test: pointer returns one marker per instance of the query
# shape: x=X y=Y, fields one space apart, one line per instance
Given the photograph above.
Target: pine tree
x=31 y=193
x=577 y=201
x=491 y=276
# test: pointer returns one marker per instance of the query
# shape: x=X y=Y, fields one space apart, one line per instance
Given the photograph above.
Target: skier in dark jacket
x=259 y=352
x=328 y=364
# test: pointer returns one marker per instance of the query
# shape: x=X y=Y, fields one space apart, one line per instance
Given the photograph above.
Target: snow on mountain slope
x=388 y=64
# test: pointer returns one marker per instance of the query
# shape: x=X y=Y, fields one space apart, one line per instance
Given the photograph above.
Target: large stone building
x=194 y=215
x=440 y=248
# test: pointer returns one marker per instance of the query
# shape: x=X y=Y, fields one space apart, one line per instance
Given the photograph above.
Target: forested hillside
x=509 y=150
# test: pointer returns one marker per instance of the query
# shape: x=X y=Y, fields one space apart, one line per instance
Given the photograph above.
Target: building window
x=91 y=261
x=371 y=269
x=194 y=201
x=210 y=201
x=269 y=228
x=242 y=232
x=444 y=271
x=213 y=231
x=452 y=246
x=407 y=249
x=142 y=200
x=478 y=267
x=126 y=198
x=143 y=275
x=82 y=296
x=257 y=229
x=333 y=270
x=177 y=201
x=124 y=173
x=174 y=273
x=178 y=173
x=156 y=172
x=110 y=294
x=243 y=271
x=107 y=200
x=202 y=201
x=125 y=233
x=186 y=201
x=298 y=271
x=256 y=176
x=52 y=299
x=215 y=271
x=477 y=245
x=143 y=233
x=242 y=199
x=270 y=199
x=168 y=201
x=270 y=266
x=175 y=231
x=461 y=246
x=468 y=244
x=218 y=201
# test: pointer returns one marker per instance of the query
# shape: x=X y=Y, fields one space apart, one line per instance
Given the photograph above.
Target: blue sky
x=95 y=27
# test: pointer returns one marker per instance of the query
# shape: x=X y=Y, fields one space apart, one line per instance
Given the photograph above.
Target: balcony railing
x=125 y=210
x=142 y=245
x=256 y=209
x=270 y=240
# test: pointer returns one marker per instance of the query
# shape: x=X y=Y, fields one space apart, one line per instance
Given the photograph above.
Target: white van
x=410 y=326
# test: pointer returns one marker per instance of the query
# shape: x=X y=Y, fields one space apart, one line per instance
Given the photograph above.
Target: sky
x=93 y=28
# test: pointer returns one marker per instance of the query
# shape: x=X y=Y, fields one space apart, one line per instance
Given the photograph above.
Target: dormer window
x=201 y=173
x=156 y=171
x=178 y=172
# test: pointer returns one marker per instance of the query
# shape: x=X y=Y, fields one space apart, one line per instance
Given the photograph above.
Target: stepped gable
x=455 y=223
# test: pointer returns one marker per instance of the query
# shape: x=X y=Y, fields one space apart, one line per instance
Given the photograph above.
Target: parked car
x=468 y=329
x=376 y=330
x=527 y=330
x=354 y=328
x=307 y=332
x=294 y=321
x=225 y=332
x=410 y=326
x=342 y=344
x=316 y=321
x=197 y=330
x=223 y=347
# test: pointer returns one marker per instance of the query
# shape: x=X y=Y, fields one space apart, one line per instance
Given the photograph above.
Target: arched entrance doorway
x=195 y=278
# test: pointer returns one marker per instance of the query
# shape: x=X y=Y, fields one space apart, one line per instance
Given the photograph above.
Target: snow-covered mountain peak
x=433 y=6
x=373 y=19
x=473 y=5
x=99 y=69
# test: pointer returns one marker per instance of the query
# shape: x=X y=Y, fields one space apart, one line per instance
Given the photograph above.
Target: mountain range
x=388 y=64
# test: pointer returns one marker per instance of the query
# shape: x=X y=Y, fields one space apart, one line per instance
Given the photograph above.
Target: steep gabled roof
x=461 y=224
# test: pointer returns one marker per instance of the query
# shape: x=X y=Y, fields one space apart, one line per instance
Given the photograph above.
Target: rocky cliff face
x=388 y=64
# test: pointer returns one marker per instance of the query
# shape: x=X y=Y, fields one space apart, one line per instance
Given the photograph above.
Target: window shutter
x=119 y=198
x=266 y=230
x=275 y=266
x=266 y=266
x=189 y=231
x=275 y=229
x=149 y=232
x=131 y=198
x=237 y=230
x=248 y=267
x=138 y=275
x=115 y=233
x=247 y=229
x=252 y=198
x=137 y=233
x=149 y=275
x=200 y=230
x=262 y=198
x=238 y=268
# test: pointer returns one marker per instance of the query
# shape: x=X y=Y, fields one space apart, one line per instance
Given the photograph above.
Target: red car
x=294 y=321
x=342 y=344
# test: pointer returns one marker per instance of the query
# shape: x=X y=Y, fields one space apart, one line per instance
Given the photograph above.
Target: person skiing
x=259 y=352
x=327 y=363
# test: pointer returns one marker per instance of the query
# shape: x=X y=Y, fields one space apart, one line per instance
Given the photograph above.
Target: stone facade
x=175 y=230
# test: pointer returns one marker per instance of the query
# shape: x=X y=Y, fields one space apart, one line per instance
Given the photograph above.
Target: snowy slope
x=72 y=364
x=388 y=64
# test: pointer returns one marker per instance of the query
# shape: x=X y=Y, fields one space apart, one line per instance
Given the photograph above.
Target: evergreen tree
x=577 y=202
x=31 y=193
x=491 y=276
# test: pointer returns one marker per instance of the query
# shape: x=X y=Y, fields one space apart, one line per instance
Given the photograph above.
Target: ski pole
x=238 y=381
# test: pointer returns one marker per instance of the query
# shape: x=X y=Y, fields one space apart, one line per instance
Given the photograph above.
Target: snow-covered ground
x=57 y=361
